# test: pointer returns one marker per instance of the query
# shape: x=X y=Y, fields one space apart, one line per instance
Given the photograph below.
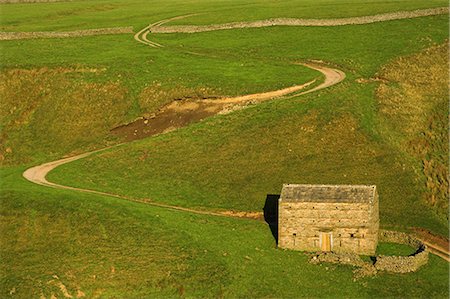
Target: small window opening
x=352 y=235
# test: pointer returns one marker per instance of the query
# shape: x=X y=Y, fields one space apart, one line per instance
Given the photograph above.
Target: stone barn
x=338 y=218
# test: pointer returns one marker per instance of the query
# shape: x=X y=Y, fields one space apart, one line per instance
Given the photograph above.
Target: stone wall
x=64 y=34
x=402 y=264
x=390 y=236
x=353 y=226
x=394 y=264
x=301 y=22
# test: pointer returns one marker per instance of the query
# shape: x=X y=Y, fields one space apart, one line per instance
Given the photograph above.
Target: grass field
x=95 y=14
x=212 y=164
x=107 y=247
x=380 y=126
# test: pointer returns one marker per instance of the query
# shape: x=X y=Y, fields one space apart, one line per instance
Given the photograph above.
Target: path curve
x=301 y=22
x=333 y=76
x=142 y=36
x=38 y=174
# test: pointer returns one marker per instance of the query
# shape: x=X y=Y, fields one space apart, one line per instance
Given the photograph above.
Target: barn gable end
x=338 y=218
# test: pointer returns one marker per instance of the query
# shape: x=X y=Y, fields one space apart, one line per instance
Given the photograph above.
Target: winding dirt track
x=301 y=22
x=38 y=173
x=142 y=36
x=333 y=76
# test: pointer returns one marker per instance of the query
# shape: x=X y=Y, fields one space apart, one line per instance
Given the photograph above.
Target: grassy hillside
x=236 y=62
x=414 y=110
x=333 y=137
x=137 y=78
x=139 y=13
x=62 y=96
x=61 y=242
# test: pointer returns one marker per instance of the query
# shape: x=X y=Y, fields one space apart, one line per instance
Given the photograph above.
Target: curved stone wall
x=401 y=264
x=394 y=264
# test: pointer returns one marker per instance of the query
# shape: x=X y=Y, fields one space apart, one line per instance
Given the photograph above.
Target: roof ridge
x=332 y=185
x=328 y=193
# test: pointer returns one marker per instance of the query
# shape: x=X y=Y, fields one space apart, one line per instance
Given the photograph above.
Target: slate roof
x=328 y=193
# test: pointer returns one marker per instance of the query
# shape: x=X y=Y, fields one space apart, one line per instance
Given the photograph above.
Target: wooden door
x=325 y=239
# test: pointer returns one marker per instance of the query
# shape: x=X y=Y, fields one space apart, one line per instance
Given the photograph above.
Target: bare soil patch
x=179 y=113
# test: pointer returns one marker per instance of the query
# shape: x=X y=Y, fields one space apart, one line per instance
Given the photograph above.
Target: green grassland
x=99 y=13
x=62 y=96
x=126 y=70
x=335 y=136
x=106 y=247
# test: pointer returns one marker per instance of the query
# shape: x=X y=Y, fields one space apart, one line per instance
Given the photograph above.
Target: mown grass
x=106 y=247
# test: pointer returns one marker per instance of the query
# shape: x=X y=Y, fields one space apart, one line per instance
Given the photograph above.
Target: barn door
x=325 y=241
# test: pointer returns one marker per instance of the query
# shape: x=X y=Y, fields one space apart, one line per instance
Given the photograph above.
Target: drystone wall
x=390 y=236
x=301 y=22
x=64 y=34
x=393 y=264
x=402 y=264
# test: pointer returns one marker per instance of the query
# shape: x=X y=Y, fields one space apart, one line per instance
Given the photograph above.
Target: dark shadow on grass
x=271 y=214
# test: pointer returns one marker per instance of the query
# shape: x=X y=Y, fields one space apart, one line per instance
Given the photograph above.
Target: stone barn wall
x=352 y=226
